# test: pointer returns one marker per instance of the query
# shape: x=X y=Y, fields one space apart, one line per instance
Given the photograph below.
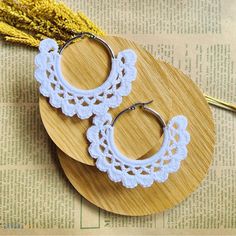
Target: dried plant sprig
x=44 y=18
x=56 y=12
x=12 y=34
x=64 y=18
x=21 y=20
x=220 y=103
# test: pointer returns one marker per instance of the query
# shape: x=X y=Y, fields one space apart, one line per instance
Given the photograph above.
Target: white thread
x=83 y=103
x=138 y=172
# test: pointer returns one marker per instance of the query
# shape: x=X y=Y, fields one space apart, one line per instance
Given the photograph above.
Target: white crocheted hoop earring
x=138 y=172
x=74 y=101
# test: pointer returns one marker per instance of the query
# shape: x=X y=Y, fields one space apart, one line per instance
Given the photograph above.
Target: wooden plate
x=98 y=189
x=86 y=64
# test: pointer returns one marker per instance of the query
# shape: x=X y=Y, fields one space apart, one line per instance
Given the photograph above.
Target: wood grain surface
x=96 y=187
x=86 y=64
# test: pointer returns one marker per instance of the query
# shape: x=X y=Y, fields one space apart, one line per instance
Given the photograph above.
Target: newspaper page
x=197 y=36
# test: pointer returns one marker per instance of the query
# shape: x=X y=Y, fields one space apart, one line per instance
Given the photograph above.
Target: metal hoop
x=145 y=108
x=90 y=36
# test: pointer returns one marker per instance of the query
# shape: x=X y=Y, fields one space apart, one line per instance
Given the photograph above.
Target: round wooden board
x=96 y=187
x=86 y=64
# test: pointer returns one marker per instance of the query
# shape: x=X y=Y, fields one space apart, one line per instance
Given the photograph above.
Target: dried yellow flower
x=12 y=34
x=39 y=19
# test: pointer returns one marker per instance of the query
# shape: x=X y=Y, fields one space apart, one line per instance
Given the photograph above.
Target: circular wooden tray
x=86 y=64
x=98 y=189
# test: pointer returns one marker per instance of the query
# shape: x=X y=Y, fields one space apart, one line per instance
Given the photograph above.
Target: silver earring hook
x=143 y=105
x=90 y=36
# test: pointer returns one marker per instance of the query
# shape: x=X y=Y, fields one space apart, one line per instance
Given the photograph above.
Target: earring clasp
x=90 y=36
x=143 y=105
x=139 y=104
